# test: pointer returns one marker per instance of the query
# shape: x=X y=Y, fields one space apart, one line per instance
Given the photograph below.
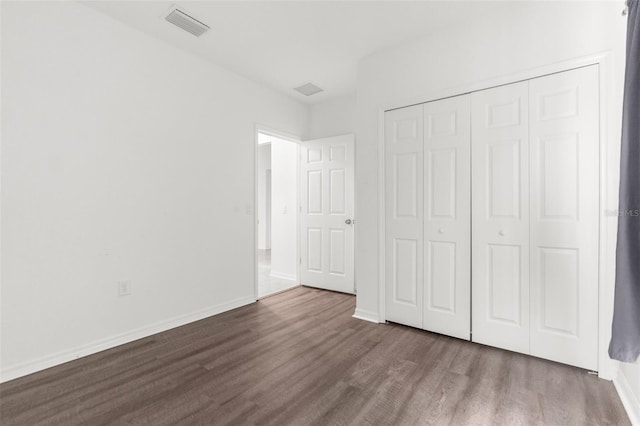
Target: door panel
x=338 y=191
x=406 y=263
x=314 y=249
x=503 y=186
x=338 y=253
x=447 y=295
x=559 y=290
x=564 y=216
x=500 y=202
x=504 y=280
x=405 y=194
x=441 y=166
x=314 y=192
x=404 y=197
x=327 y=201
x=442 y=274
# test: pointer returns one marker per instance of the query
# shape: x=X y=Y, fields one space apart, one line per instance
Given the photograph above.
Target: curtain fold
x=625 y=338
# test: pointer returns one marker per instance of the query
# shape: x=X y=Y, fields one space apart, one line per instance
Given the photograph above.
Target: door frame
x=267 y=213
x=261 y=128
x=608 y=175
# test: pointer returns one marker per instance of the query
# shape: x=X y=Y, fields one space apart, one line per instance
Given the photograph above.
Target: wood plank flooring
x=299 y=358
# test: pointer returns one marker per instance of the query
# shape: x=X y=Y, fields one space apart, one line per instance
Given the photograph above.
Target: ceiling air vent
x=308 y=89
x=188 y=23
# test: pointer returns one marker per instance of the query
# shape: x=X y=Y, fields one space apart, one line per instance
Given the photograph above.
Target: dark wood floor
x=299 y=358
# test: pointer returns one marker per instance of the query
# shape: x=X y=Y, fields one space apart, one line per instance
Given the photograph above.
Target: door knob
x=441 y=230
x=348 y=221
x=502 y=233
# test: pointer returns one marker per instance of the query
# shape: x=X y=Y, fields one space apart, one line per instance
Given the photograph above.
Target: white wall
x=527 y=35
x=264 y=164
x=284 y=190
x=628 y=386
x=122 y=159
x=333 y=117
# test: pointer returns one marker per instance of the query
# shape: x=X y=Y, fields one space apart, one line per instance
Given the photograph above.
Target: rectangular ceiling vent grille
x=308 y=89
x=186 y=22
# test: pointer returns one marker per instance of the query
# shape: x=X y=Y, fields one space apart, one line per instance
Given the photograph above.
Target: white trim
x=608 y=164
x=500 y=81
x=1 y=186
x=609 y=173
x=382 y=271
x=629 y=399
x=355 y=214
x=365 y=315
x=298 y=213
x=261 y=128
x=282 y=276
x=255 y=210
x=29 y=367
x=281 y=290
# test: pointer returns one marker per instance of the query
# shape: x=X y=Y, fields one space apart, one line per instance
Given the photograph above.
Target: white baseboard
x=607 y=368
x=282 y=276
x=365 y=315
x=279 y=290
x=630 y=400
x=29 y=367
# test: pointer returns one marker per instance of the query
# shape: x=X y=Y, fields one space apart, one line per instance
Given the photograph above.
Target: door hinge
x=301 y=261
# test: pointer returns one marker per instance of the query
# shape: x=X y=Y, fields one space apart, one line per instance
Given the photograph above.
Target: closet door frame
x=608 y=177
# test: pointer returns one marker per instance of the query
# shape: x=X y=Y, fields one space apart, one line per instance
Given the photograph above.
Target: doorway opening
x=277 y=218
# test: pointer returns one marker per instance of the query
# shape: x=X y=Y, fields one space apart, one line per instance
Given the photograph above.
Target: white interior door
x=500 y=225
x=564 y=110
x=447 y=221
x=327 y=213
x=403 y=215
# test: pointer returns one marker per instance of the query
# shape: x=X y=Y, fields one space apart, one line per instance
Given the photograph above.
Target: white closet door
x=326 y=217
x=500 y=225
x=564 y=144
x=404 y=203
x=447 y=222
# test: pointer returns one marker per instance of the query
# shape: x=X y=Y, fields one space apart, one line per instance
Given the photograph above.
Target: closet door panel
x=447 y=206
x=564 y=138
x=404 y=217
x=500 y=220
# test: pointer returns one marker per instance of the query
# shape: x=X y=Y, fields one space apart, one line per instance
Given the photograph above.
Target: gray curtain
x=625 y=339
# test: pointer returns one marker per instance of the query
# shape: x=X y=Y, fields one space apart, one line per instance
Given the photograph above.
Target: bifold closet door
x=403 y=215
x=500 y=225
x=564 y=140
x=447 y=221
x=520 y=163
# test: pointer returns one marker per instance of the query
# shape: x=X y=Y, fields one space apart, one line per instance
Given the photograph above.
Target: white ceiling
x=286 y=44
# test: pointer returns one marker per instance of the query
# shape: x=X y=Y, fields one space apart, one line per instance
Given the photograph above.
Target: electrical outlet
x=124 y=288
